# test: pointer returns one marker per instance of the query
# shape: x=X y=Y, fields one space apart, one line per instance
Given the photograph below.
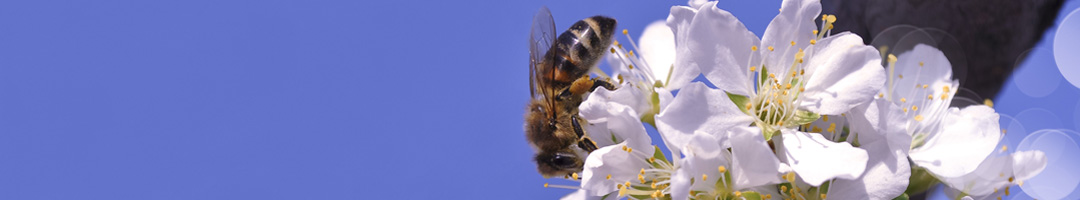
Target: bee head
x=555 y=164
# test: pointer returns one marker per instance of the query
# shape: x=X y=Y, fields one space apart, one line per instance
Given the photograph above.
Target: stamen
x=988 y=102
x=722 y=169
x=793 y=43
x=914 y=108
x=813 y=41
x=918 y=117
x=624 y=32
x=770 y=48
x=704 y=177
x=753 y=48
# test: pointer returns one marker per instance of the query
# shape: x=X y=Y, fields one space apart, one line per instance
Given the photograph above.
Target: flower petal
x=753 y=162
x=996 y=171
x=795 y=23
x=697 y=108
x=658 y=49
x=704 y=154
x=923 y=66
x=842 y=73
x=680 y=23
x=610 y=160
x=966 y=138
x=816 y=159
x=881 y=121
x=608 y=120
x=718 y=45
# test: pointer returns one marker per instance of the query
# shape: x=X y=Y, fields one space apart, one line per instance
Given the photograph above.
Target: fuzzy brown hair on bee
x=559 y=81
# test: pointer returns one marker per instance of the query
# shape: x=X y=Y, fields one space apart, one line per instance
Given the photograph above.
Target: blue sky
x=303 y=100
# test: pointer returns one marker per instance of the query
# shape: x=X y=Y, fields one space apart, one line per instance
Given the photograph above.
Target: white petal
x=658 y=49
x=704 y=155
x=881 y=121
x=718 y=45
x=610 y=160
x=580 y=194
x=680 y=184
x=1027 y=164
x=842 y=73
x=993 y=173
x=966 y=138
x=754 y=163
x=609 y=120
x=680 y=22
x=794 y=23
x=924 y=65
x=698 y=108
x=886 y=175
x=816 y=159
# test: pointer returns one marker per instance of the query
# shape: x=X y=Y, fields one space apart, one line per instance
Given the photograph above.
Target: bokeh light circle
x=1035 y=76
x=1060 y=179
x=1067 y=47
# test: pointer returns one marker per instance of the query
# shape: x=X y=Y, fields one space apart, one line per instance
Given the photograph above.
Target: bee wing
x=540 y=39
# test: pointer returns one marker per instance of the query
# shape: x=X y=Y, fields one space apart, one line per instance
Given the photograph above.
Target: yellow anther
x=631 y=53
x=832 y=18
x=790 y=177
x=945 y=89
x=772 y=75
x=925 y=85
x=722 y=169
x=624 y=148
x=629 y=150
x=944 y=96
x=824 y=17
x=825 y=118
x=770 y=48
x=903 y=100
x=652 y=160
x=815 y=32
x=768 y=196
x=892 y=58
x=624 y=32
x=793 y=43
x=642 y=171
x=930 y=96
x=881 y=95
x=545 y=184
x=920 y=63
x=641 y=178
x=753 y=68
x=653 y=185
x=748 y=106
x=1011 y=179
x=988 y=102
x=623 y=190
x=914 y=108
x=787 y=86
x=905 y=110
x=999 y=198
x=822 y=196
x=815 y=129
x=801 y=72
x=813 y=41
x=753 y=48
x=738 y=194
x=1006 y=191
x=785 y=92
x=918 y=117
x=612 y=50
x=801 y=89
x=704 y=177
x=832 y=128
x=783 y=188
x=609 y=177
x=830 y=27
x=630 y=66
x=901 y=76
x=1003 y=149
x=574 y=175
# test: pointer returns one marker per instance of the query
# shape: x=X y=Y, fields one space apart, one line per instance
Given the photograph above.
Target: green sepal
x=650 y=117
x=613 y=139
x=763 y=76
x=658 y=156
x=768 y=132
x=750 y=195
x=903 y=196
x=740 y=101
x=805 y=117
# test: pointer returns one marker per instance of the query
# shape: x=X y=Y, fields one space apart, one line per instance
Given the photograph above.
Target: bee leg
x=597 y=82
x=584 y=142
x=585 y=84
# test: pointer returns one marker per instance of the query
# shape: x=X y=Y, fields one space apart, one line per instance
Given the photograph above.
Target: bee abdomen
x=582 y=45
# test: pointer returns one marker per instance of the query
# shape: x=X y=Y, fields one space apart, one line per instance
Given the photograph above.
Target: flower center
x=651 y=183
x=776 y=100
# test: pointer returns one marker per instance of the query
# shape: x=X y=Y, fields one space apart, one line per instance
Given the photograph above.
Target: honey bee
x=559 y=80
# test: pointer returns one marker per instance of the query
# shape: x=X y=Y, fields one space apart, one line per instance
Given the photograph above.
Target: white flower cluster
x=800 y=113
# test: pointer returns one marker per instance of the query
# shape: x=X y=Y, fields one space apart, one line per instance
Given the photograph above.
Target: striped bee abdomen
x=581 y=46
